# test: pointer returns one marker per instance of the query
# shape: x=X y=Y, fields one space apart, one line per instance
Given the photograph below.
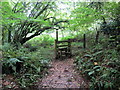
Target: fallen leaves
x=6 y=83
x=9 y=82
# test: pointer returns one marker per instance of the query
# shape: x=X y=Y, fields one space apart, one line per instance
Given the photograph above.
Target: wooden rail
x=65 y=48
x=62 y=50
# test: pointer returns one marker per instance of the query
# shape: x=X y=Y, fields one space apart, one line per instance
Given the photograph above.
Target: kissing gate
x=63 y=48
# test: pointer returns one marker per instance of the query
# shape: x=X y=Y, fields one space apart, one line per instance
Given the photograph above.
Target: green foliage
x=83 y=16
x=42 y=40
x=100 y=63
x=101 y=67
x=31 y=65
x=112 y=8
x=21 y=21
x=87 y=14
x=67 y=37
x=9 y=17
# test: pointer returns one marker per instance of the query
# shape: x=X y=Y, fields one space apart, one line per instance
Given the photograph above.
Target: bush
x=42 y=40
x=101 y=67
x=24 y=65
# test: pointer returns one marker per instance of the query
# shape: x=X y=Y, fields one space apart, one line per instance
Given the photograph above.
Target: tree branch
x=42 y=10
x=60 y=22
x=38 y=32
x=50 y=18
x=14 y=8
x=33 y=10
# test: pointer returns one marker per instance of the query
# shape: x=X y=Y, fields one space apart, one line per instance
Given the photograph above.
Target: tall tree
x=24 y=21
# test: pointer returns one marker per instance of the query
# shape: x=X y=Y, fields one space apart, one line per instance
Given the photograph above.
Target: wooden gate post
x=97 y=37
x=56 y=55
x=84 y=41
x=69 y=47
x=56 y=48
x=57 y=34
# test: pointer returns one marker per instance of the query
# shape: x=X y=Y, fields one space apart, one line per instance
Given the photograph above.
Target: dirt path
x=63 y=75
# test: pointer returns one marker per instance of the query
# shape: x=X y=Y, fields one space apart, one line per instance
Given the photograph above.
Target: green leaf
x=96 y=67
x=14 y=68
x=87 y=55
x=14 y=60
x=38 y=69
x=97 y=53
x=90 y=73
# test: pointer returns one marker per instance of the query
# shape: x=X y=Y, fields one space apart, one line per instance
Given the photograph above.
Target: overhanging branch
x=38 y=32
x=60 y=22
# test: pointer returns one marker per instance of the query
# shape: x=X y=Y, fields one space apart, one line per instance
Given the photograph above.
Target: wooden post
x=97 y=37
x=84 y=41
x=57 y=34
x=56 y=49
x=69 y=47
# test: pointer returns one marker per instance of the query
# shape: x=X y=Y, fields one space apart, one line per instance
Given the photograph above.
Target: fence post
x=56 y=49
x=57 y=34
x=84 y=41
x=97 y=37
x=69 y=47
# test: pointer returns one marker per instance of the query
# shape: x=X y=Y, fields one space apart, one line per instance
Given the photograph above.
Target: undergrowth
x=101 y=65
x=26 y=66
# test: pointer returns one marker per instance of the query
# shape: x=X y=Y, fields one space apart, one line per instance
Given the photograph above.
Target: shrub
x=101 y=67
x=42 y=40
x=24 y=65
